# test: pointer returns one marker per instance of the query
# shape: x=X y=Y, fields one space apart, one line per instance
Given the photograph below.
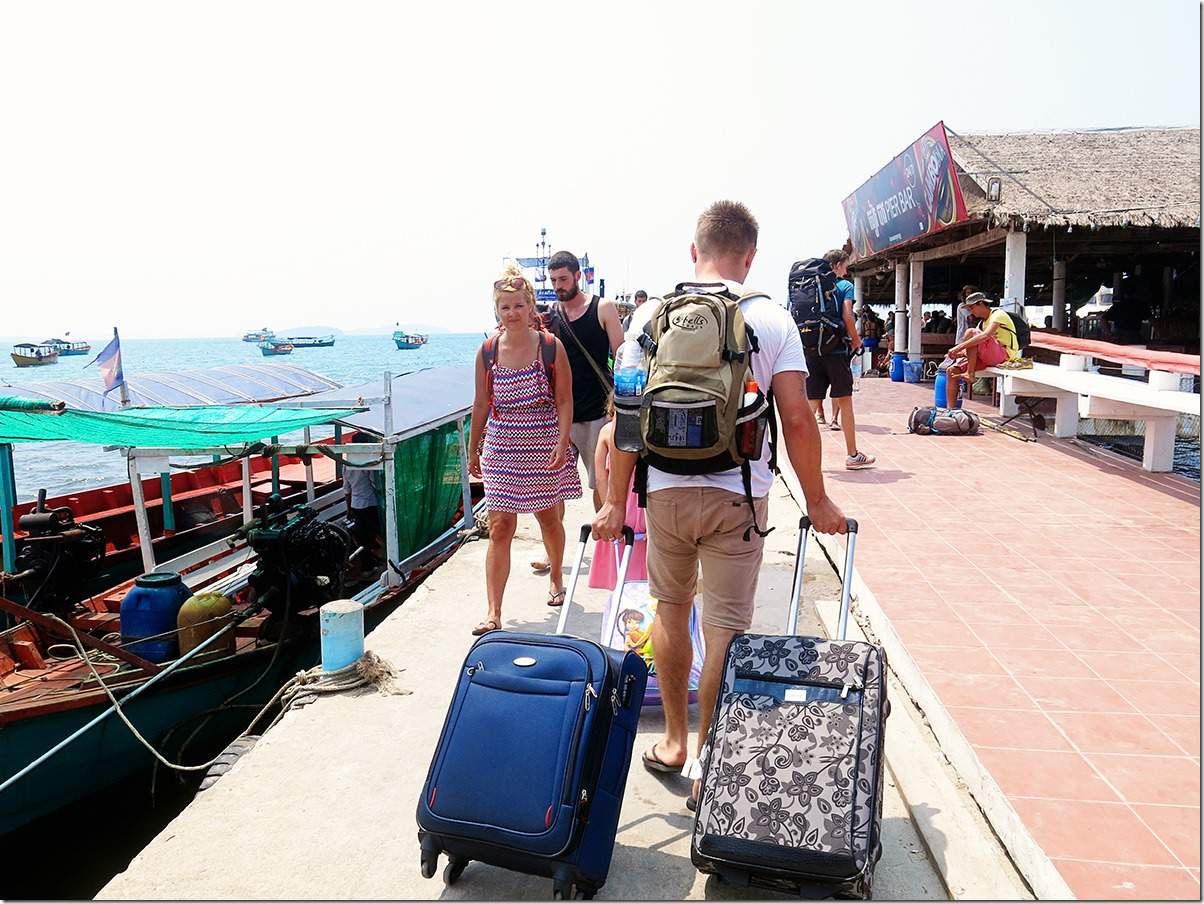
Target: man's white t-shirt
x=781 y=350
x=359 y=482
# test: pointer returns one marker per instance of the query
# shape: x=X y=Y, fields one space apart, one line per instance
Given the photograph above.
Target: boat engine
x=302 y=559
x=55 y=558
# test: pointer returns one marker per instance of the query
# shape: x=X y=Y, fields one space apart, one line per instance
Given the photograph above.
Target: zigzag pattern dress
x=519 y=438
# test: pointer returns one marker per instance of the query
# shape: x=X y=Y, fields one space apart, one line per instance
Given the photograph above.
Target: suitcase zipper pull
x=589 y=693
x=583 y=809
x=848 y=686
x=478 y=666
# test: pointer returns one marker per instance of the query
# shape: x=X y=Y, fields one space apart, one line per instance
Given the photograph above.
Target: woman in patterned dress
x=520 y=437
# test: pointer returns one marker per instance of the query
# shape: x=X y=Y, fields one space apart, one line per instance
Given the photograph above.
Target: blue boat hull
x=109 y=753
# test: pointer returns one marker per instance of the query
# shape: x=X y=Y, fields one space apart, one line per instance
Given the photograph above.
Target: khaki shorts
x=584 y=436
x=688 y=525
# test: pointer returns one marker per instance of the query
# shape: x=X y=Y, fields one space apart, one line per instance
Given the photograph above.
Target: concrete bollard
x=342 y=629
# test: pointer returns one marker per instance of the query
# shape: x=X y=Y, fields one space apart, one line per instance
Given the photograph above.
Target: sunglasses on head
x=509 y=282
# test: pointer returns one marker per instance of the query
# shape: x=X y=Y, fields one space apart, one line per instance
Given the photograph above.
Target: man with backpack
x=706 y=468
x=821 y=302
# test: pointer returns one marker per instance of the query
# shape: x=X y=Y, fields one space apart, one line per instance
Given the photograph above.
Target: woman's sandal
x=556 y=600
x=486 y=627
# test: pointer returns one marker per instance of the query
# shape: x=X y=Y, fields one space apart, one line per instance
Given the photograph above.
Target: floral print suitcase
x=792 y=783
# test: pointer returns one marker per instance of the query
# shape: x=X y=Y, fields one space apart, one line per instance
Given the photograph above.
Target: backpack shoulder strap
x=488 y=359
x=547 y=354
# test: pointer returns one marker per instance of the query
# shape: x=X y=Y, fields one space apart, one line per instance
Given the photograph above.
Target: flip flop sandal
x=834 y=426
x=656 y=764
x=691 y=803
x=486 y=627
x=540 y=568
x=556 y=600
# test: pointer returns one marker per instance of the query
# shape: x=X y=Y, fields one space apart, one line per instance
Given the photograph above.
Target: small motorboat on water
x=258 y=335
x=66 y=347
x=408 y=340
x=271 y=347
x=26 y=354
x=310 y=341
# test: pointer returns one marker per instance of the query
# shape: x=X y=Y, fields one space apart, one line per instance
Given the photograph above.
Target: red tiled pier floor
x=1051 y=597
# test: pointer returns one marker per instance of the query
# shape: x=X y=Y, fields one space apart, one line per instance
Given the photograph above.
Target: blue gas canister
x=150 y=608
x=938 y=395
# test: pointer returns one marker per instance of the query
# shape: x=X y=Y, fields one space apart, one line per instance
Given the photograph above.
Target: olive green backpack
x=700 y=358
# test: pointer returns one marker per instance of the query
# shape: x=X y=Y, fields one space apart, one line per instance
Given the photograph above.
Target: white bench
x=1081 y=393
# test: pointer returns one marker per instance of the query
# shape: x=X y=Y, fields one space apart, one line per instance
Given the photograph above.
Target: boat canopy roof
x=230 y=384
x=422 y=399
x=196 y=427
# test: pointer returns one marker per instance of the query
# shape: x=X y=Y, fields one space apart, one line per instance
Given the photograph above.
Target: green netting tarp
x=182 y=428
x=427 y=469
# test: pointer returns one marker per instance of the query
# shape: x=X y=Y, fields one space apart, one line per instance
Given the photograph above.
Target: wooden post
x=1059 y=295
x=465 y=486
x=392 y=542
x=140 y=516
x=247 y=517
x=169 y=515
x=916 y=315
x=900 y=307
x=309 y=473
x=1014 y=261
x=8 y=501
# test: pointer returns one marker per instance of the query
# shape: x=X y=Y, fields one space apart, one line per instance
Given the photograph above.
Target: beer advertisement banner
x=914 y=195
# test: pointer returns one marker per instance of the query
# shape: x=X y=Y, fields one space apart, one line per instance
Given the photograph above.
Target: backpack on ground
x=1020 y=329
x=942 y=422
x=814 y=306
x=693 y=419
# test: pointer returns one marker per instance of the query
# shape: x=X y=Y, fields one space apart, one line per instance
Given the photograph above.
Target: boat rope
x=368 y=669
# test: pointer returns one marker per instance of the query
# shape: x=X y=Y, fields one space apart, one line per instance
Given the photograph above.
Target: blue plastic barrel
x=151 y=607
x=938 y=395
x=897 y=360
x=913 y=371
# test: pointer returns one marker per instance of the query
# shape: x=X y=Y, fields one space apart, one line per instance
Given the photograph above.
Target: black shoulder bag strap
x=602 y=377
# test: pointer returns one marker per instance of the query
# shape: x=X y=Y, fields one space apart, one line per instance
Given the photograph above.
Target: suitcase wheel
x=430 y=863
x=453 y=870
x=562 y=890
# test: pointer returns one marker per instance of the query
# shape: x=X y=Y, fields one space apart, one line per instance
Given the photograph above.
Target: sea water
x=63 y=467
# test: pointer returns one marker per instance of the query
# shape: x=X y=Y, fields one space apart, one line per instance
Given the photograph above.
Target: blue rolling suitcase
x=531 y=766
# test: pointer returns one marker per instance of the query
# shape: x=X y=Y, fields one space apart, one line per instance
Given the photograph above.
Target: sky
x=200 y=169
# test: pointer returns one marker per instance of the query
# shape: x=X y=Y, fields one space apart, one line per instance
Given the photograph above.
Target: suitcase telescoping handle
x=586 y=530
x=796 y=591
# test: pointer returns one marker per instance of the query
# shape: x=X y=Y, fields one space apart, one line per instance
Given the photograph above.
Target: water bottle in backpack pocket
x=630 y=376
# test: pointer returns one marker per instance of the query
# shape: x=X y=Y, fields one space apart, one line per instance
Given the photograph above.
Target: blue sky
x=200 y=169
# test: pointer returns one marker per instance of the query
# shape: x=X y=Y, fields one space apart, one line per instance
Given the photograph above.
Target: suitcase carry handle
x=586 y=530
x=796 y=590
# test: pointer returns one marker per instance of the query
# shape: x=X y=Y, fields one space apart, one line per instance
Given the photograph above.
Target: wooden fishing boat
x=404 y=340
x=27 y=354
x=58 y=739
x=270 y=347
x=66 y=347
x=310 y=341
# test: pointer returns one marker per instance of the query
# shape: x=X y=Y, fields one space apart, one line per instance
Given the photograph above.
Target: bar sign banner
x=915 y=195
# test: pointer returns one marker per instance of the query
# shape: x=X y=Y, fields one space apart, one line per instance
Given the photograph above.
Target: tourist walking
x=832 y=373
x=520 y=437
x=588 y=327
x=709 y=518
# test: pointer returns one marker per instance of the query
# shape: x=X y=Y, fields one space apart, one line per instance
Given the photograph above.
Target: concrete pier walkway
x=324 y=806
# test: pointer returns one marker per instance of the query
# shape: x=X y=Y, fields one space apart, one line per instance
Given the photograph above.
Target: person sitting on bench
x=984 y=346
